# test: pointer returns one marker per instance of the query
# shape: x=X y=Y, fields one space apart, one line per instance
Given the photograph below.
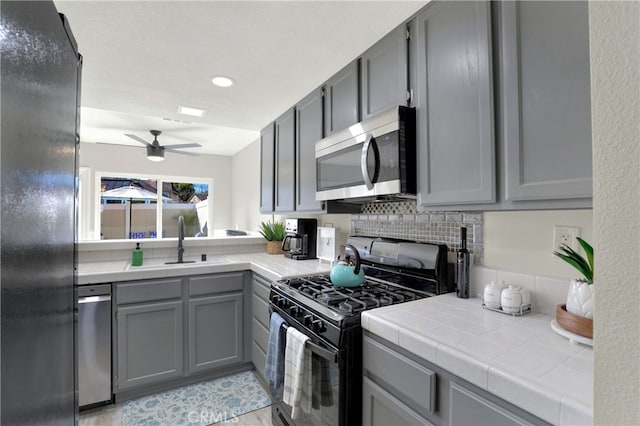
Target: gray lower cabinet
x=456 y=144
x=267 y=168
x=285 y=162
x=400 y=388
x=150 y=343
x=215 y=331
x=342 y=99
x=383 y=70
x=380 y=408
x=259 y=321
x=545 y=97
x=169 y=331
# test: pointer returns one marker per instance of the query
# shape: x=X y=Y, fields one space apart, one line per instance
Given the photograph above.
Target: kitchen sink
x=162 y=263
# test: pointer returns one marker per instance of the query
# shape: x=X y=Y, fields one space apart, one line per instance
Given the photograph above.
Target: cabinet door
x=384 y=73
x=215 y=331
x=342 y=99
x=380 y=408
x=267 y=169
x=456 y=144
x=150 y=343
x=546 y=112
x=469 y=409
x=285 y=167
x=308 y=132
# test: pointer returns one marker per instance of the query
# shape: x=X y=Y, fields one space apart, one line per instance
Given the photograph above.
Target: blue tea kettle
x=344 y=273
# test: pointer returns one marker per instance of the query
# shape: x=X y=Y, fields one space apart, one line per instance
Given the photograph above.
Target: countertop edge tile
x=462 y=365
x=525 y=394
x=574 y=413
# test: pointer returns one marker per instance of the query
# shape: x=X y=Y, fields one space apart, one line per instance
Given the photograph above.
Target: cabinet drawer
x=260 y=334
x=469 y=408
x=148 y=291
x=260 y=310
x=211 y=284
x=415 y=383
x=261 y=291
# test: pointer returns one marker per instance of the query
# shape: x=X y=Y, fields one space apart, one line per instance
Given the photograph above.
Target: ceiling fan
x=155 y=151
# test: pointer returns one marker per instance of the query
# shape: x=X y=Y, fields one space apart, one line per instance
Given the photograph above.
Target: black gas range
x=396 y=271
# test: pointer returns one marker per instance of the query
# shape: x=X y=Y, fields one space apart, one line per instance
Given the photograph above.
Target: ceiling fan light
x=155 y=153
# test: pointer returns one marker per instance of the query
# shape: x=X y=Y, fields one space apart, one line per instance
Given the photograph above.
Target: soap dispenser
x=136 y=259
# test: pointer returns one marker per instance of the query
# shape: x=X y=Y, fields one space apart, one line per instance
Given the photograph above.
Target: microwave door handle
x=363 y=162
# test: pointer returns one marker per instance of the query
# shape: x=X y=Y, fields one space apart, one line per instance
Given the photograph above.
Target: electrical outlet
x=565 y=235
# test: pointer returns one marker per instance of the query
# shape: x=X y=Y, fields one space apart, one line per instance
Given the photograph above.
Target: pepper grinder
x=462 y=266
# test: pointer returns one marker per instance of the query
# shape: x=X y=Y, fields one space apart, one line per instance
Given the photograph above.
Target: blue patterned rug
x=204 y=403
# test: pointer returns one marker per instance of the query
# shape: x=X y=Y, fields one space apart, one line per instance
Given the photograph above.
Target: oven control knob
x=294 y=310
x=308 y=319
x=318 y=326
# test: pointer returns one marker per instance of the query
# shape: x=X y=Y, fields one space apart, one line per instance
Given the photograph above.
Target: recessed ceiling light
x=222 y=81
x=194 y=112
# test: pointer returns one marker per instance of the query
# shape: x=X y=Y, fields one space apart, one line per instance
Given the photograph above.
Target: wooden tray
x=575 y=324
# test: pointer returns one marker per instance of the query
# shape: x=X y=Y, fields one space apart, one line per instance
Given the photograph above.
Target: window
x=132 y=207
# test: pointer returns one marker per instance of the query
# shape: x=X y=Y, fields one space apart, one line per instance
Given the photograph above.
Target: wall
x=523 y=241
x=615 y=100
x=245 y=187
x=112 y=158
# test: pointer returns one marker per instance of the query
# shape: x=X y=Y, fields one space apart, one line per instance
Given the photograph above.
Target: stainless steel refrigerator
x=40 y=70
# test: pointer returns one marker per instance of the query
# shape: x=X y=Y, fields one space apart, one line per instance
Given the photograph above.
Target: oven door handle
x=330 y=356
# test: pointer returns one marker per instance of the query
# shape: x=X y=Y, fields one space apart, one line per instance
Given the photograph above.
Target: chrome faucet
x=180 y=243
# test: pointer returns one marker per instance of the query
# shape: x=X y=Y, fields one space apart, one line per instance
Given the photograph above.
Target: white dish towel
x=297 y=373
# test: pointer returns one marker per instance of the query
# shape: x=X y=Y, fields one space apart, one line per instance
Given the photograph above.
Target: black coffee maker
x=300 y=239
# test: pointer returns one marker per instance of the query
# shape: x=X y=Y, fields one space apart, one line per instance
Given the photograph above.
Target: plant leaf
x=571 y=261
x=588 y=250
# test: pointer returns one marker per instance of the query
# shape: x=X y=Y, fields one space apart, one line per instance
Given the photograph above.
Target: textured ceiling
x=144 y=58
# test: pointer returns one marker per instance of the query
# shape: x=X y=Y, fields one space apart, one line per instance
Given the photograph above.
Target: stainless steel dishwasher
x=94 y=345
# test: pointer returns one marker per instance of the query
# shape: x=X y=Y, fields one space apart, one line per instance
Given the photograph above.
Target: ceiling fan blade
x=138 y=139
x=184 y=145
x=116 y=144
x=174 y=151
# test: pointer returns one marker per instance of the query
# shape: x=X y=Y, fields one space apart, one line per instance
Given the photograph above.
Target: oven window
x=325 y=400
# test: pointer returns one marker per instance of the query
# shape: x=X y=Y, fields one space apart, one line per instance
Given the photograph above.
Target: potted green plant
x=580 y=296
x=273 y=232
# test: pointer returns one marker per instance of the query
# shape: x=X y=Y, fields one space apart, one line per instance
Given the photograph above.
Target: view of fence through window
x=129 y=208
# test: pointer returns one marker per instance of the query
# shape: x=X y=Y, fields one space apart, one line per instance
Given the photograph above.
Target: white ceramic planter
x=580 y=298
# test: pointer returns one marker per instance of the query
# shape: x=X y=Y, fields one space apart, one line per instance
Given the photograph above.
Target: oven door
x=326 y=393
x=332 y=389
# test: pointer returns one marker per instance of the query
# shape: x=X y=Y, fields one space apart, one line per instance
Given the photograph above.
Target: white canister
x=511 y=299
x=492 y=295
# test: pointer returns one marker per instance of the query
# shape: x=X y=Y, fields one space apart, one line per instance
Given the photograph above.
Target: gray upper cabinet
x=308 y=132
x=267 y=158
x=342 y=99
x=285 y=162
x=384 y=73
x=546 y=111
x=456 y=144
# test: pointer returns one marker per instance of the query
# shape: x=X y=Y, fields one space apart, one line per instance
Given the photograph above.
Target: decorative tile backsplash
x=402 y=220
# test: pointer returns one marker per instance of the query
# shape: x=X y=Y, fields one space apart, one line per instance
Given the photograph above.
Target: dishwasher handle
x=94 y=299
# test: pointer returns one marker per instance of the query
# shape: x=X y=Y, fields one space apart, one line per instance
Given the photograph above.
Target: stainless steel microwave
x=373 y=158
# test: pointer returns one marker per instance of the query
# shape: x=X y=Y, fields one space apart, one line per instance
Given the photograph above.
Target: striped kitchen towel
x=274 y=364
x=297 y=373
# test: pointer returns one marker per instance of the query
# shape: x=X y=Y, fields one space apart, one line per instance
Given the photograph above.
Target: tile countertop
x=273 y=267
x=519 y=359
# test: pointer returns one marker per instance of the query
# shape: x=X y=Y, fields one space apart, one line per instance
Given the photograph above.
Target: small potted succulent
x=577 y=315
x=273 y=232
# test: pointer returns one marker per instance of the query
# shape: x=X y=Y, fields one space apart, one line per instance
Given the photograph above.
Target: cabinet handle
x=368 y=180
